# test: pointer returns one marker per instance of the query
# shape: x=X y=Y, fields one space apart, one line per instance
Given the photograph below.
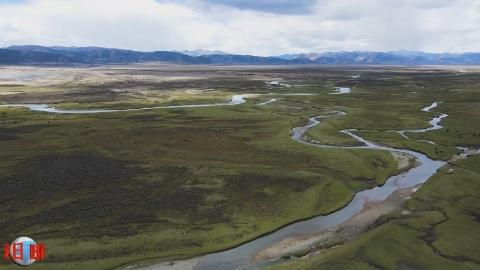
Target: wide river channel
x=242 y=256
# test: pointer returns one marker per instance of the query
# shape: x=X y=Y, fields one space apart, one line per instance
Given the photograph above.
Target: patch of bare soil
x=455 y=158
x=113 y=83
x=403 y=159
x=348 y=230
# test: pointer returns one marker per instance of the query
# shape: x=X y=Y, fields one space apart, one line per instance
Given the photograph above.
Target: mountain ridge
x=35 y=54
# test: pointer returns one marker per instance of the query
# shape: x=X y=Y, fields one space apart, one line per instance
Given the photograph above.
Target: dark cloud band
x=294 y=7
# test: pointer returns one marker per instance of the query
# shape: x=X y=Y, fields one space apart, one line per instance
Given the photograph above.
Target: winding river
x=434 y=122
x=236 y=99
x=242 y=257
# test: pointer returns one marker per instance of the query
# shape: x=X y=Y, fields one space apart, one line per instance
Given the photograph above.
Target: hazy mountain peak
x=311 y=55
x=287 y=56
x=200 y=52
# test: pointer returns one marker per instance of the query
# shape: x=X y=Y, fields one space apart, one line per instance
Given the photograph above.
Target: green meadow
x=102 y=185
x=105 y=190
x=441 y=228
x=440 y=232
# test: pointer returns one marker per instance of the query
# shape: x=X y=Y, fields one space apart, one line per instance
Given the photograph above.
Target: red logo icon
x=24 y=251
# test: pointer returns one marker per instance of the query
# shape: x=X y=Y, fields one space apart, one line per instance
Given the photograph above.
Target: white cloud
x=8 y=28
x=330 y=25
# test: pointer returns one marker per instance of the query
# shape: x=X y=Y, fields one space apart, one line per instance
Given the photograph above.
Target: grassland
x=327 y=132
x=191 y=181
x=440 y=230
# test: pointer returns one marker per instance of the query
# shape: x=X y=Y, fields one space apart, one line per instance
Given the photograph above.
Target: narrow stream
x=268 y=101
x=434 y=122
x=236 y=99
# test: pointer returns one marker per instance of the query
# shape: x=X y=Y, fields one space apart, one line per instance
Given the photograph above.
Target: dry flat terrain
x=105 y=190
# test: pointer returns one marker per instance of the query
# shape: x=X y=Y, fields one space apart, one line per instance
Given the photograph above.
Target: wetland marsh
x=197 y=180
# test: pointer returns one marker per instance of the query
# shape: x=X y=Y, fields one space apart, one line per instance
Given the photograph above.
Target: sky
x=255 y=27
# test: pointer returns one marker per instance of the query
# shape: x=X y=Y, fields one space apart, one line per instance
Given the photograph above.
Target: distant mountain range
x=33 y=54
x=400 y=57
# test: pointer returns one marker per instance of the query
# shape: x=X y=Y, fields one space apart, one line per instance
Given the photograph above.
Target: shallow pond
x=341 y=90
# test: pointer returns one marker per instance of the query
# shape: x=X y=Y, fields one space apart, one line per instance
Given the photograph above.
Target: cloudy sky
x=258 y=27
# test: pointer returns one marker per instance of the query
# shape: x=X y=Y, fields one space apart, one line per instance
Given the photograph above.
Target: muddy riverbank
x=346 y=231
